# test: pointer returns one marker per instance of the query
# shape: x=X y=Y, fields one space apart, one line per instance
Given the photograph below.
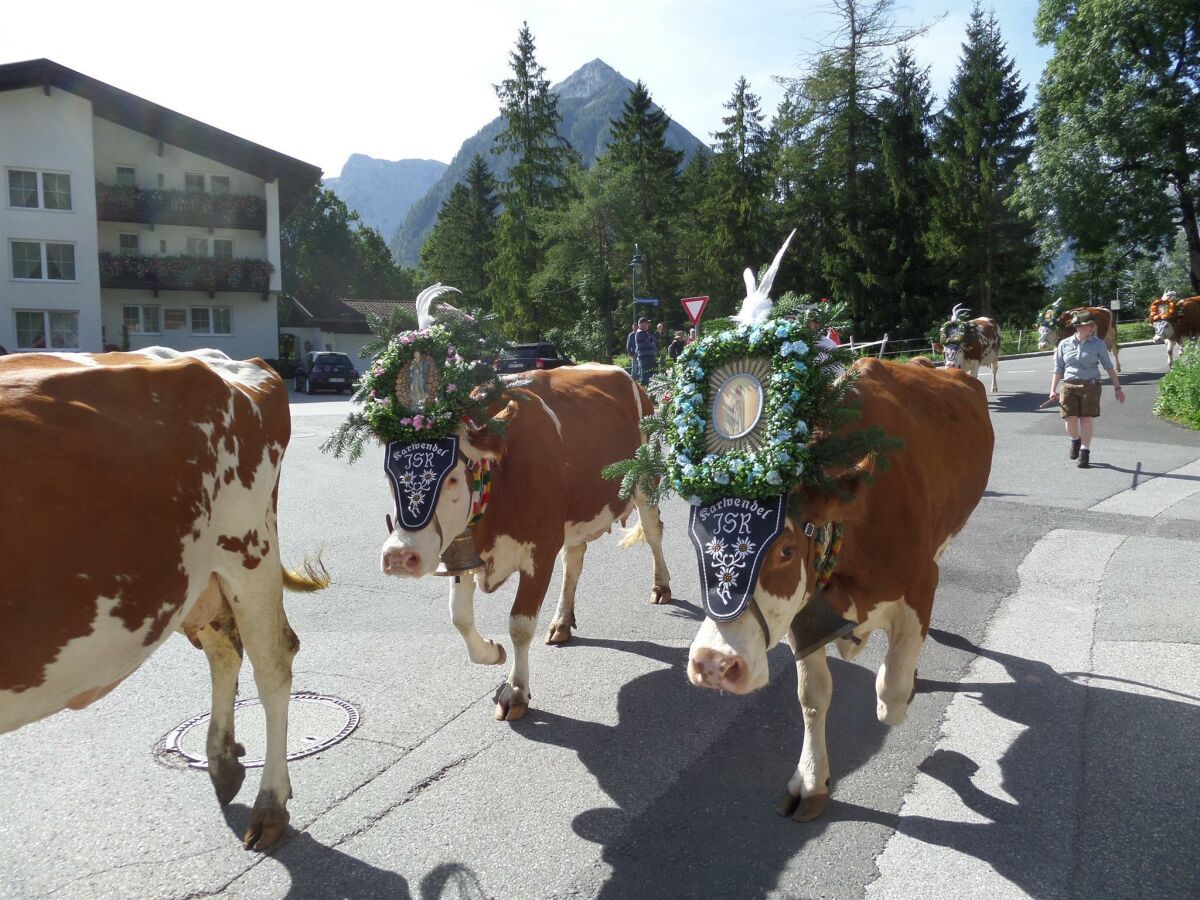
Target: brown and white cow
x=894 y=531
x=1050 y=335
x=140 y=499
x=547 y=496
x=1174 y=322
x=970 y=344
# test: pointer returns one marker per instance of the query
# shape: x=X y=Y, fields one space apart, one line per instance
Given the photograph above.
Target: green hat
x=1084 y=317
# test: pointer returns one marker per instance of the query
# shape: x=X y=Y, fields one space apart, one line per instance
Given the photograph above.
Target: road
x=1050 y=751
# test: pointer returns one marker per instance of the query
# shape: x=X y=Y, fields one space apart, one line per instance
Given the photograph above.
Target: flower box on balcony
x=185 y=273
x=135 y=204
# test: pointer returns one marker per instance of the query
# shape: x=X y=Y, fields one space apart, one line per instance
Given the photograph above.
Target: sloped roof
x=133 y=112
x=342 y=316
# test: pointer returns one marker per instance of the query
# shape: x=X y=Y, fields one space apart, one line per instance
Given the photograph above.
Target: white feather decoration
x=425 y=301
x=959 y=310
x=757 y=305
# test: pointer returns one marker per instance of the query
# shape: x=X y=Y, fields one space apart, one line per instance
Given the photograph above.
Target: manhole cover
x=315 y=722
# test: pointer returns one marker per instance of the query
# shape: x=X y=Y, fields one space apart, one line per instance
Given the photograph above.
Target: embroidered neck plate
x=417 y=470
x=732 y=537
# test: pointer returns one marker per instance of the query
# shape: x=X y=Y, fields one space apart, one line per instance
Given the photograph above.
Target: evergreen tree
x=459 y=248
x=639 y=149
x=1118 y=144
x=986 y=244
x=696 y=263
x=537 y=182
x=736 y=207
x=836 y=101
x=906 y=160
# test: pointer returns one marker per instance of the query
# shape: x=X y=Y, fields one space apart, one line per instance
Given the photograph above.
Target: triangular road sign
x=694 y=307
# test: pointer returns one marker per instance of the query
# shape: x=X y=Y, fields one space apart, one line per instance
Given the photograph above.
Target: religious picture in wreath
x=417 y=382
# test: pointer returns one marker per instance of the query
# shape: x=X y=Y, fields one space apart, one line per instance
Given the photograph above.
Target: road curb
x=1051 y=352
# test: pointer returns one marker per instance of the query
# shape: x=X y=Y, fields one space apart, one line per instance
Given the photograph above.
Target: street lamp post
x=634 y=265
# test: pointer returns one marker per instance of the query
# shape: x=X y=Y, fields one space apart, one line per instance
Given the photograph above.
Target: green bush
x=1179 y=391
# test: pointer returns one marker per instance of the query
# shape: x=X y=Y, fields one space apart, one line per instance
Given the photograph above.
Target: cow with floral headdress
x=1054 y=325
x=968 y=344
x=1175 y=321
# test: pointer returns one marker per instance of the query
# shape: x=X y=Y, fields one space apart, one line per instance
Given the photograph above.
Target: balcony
x=135 y=204
x=186 y=273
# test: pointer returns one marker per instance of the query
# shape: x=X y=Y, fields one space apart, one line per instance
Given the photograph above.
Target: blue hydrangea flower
x=799 y=368
x=785 y=457
x=689 y=471
x=794 y=396
x=721 y=478
x=782 y=331
x=774 y=478
x=800 y=347
x=786 y=409
x=683 y=459
x=694 y=500
x=801 y=428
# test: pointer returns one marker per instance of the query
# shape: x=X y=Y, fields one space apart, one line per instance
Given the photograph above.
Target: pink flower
x=451 y=388
x=406 y=338
x=406 y=421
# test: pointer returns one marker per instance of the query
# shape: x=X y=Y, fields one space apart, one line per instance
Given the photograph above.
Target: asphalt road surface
x=1051 y=750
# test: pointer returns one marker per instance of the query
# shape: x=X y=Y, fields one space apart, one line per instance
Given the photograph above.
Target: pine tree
x=537 y=181
x=906 y=159
x=736 y=208
x=639 y=149
x=987 y=246
x=459 y=248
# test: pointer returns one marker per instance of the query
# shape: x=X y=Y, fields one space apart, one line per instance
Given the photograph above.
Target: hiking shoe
x=1075 y=447
x=1085 y=461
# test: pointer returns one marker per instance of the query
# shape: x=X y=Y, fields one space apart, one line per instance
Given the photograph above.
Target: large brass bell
x=460 y=557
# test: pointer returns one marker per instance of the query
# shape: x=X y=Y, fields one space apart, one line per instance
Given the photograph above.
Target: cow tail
x=633 y=535
x=312 y=576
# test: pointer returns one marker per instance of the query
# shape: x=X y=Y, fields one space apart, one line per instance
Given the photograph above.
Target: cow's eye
x=453 y=479
x=787 y=552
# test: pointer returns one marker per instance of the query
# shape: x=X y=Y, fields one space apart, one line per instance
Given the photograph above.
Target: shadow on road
x=318 y=872
x=1123 y=818
x=714 y=832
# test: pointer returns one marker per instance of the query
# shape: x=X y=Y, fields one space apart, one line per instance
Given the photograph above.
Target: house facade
x=125 y=224
x=341 y=324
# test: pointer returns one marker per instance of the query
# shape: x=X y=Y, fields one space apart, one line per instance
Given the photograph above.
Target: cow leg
x=896 y=680
x=512 y=700
x=808 y=788
x=222 y=646
x=257 y=603
x=652 y=531
x=564 y=615
x=995 y=371
x=462 y=613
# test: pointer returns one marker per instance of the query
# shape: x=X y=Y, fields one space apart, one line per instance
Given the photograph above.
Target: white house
x=124 y=223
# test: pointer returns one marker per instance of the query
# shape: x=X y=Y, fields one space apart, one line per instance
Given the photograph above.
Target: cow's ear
x=486 y=441
x=937 y=348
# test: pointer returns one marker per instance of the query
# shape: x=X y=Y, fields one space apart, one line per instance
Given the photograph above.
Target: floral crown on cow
x=958 y=328
x=753 y=411
x=1048 y=317
x=424 y=382
x=1164 y=308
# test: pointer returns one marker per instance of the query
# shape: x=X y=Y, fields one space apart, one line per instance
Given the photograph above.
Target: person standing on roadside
x=646 y=347
x=1076 y=383
x=631 y=350
x=676 y=346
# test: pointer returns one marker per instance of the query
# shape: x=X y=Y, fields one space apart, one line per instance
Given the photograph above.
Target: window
x=126 y=176
x=23 y=189
x=162 y=246
x=42 y=260
x=222 y=248
x=141 y=319
x=128 y=244
x=197 y=246
x=212 y=320
x=193 y=183
x=34 y=325
x=218 y=184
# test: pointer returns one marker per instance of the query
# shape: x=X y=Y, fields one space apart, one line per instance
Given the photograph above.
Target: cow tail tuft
x=633 y=535
x=312 y=576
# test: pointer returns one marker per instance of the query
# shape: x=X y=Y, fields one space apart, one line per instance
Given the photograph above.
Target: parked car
x=322 y=370
x=523 y=357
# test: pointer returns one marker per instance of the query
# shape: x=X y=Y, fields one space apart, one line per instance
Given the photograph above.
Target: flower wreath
x=1163 y=309
x=779 y=461
x=1048 y=317
x=389 y=414
x=969 y=331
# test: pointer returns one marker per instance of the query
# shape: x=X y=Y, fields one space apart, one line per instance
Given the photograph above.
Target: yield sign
x=694 y=307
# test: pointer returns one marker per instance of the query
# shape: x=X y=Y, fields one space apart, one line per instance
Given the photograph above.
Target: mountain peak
x=590 y=79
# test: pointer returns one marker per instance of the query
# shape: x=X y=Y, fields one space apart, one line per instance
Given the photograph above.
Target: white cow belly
x=578 y=532
x=505 y=557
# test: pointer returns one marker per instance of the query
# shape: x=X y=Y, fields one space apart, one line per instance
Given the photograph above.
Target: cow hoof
x=268 y=823
x=559 y=634
x=802 y=809
x=511 y=704
x=227 y=775
x=660 y=595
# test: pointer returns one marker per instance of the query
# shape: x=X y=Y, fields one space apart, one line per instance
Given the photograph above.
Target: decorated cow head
x=422 y=398
x=1163 y=313
x=954 y=333
x=1048 y=324
x=754 y=434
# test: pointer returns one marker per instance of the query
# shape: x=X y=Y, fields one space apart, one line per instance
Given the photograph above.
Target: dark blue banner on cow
x=417 y=470
x=731 y=538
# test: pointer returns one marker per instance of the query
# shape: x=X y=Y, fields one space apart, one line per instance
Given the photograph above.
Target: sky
x=401 y=80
